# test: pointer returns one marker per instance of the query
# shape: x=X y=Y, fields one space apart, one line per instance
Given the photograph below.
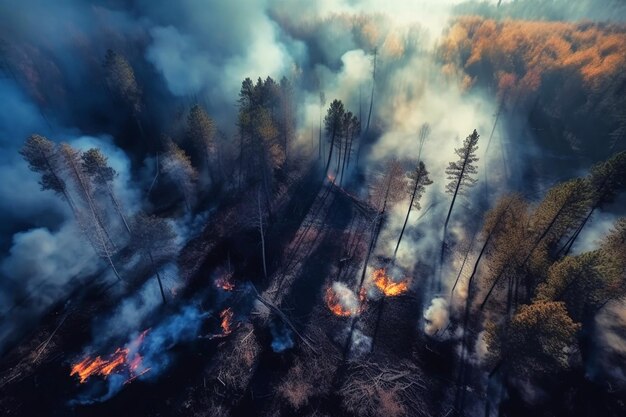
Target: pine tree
x=96 y=229
x=351 y=127
x=418 y=180
x=201 y=133
x=95 y=164
x=177 y=165
x=120 y=78
x=536 y=342
x=460 y=172
x=333 y=125
x=43 y=158
x=563 y=207
x=606 y=179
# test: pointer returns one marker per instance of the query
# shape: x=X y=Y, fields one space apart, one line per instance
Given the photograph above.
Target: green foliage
x=333 y=120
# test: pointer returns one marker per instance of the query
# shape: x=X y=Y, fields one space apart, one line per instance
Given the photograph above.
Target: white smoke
x=42 y=267
x=436 y=317
x=346 y=297
x=131 y=313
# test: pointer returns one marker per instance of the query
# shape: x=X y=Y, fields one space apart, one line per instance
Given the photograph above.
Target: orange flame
x=227 y=321
x=122 y=359
x=387 y=286
x=224 y=283
x=333 y=301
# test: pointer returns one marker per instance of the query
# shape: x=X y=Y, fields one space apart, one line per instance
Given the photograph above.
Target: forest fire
x=123 y=359
x=342 y=302
x=387 y=286
x=334 y=304
x=224 y=282
x=227 y=321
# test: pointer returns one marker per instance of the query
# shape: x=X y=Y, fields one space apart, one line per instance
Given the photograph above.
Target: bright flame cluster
x=227 y=321
x=334 y=304
x=125 y=359
x=387 y=286
x=338 y=308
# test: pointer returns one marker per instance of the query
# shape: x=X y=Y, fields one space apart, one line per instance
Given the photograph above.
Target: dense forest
x=291 y=208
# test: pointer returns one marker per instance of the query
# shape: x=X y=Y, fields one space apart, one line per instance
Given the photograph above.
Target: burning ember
x=227 y=321
x=125 y=359
x=342 y=301
x=224 y=283
x=387 y=286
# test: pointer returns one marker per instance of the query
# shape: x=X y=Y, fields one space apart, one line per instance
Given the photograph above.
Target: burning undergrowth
x=342 y=301
x=108 y=365
x=124 y=361
x=386 y=283
x=144 y=357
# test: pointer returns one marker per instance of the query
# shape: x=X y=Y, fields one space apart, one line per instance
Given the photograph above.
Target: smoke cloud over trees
x=286 y=207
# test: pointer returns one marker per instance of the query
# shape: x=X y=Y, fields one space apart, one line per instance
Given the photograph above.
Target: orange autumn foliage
x=527 y=50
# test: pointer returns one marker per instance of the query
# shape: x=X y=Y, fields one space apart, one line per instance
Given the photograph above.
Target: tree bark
x=408 y=213
x=262 y=234
x=156 y=270
x=330 y=154
x=369 y=114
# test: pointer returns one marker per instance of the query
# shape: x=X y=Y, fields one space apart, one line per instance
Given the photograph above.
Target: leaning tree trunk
x=408 y=213
x=99 y=227
x=262 y=234
x=330 y=154
x=543 y=234
x=346 y=155
x=158 y=276
x=355 y=319
x=319 y=141
x=369 y=114
x=118 y=209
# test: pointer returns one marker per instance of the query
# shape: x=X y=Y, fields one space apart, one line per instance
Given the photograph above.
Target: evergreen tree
x=201 y=133
x=333 y=124
x=418 y=180
x=460 y=172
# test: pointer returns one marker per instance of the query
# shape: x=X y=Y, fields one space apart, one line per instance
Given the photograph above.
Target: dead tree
x=417 y=185
x=369 y=113
x=103 y=242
